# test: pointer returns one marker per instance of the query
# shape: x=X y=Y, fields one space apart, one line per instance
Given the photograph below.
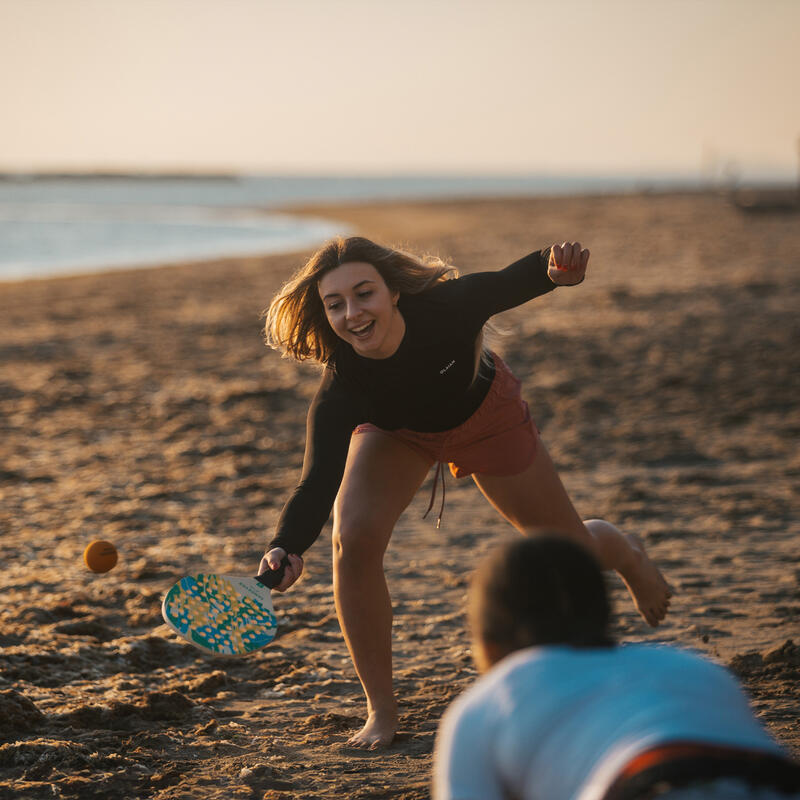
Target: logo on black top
x=446 y=367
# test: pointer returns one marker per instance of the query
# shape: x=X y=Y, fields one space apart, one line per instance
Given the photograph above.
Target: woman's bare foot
x=378 y=731
x=649 y=590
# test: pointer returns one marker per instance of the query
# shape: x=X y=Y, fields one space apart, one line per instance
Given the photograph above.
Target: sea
x=67 y=225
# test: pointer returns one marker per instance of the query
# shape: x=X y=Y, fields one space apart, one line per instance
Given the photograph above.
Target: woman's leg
x=380 y=479
x=536 y=499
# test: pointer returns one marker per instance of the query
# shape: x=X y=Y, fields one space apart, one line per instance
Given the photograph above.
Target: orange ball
x=100 y=556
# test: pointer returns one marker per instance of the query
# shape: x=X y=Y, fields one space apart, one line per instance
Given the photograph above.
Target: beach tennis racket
x=225 y=615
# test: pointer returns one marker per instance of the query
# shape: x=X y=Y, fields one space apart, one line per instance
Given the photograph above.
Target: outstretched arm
x=481 y=295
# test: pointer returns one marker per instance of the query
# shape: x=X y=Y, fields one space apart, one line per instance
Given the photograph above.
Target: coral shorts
x=500 y=438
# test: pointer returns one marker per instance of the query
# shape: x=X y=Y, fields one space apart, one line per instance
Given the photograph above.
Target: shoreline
x=142 y=407
x=237 y=233
x=323 y=215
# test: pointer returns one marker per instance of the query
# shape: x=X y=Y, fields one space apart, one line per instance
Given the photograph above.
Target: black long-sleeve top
x=429 y=384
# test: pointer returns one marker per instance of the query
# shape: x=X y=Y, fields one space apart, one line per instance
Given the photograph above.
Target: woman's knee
x=359 y=537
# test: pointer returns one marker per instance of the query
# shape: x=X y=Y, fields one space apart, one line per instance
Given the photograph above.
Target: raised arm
x=484 y=294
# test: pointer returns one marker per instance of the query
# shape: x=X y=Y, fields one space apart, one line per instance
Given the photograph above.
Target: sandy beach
x=142 y=407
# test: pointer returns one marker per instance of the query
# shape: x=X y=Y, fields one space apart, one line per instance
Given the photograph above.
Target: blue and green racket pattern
x=221 y=614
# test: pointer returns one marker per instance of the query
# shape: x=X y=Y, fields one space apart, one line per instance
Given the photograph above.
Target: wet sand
x=142 y=407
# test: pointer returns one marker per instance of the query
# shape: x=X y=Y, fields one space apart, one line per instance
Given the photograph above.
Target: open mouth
x=364 y=330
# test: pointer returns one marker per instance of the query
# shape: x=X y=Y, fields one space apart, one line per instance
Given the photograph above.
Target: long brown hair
x=295 y=320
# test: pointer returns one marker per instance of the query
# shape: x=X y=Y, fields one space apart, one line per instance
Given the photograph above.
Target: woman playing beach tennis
x=407 y=384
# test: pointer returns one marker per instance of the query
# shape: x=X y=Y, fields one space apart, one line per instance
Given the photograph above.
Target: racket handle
x=272 y=577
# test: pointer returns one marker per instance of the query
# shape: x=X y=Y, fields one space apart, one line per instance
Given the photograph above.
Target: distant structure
x=769 y=201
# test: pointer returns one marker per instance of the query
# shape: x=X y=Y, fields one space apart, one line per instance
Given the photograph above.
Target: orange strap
x=669 y=752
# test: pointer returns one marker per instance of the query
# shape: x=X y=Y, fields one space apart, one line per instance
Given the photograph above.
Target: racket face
x=221 y=614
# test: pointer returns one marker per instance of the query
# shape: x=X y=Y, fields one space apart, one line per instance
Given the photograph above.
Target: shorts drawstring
x=439 y=471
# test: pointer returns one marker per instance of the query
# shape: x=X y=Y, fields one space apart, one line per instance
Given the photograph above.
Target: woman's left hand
x=567 y=264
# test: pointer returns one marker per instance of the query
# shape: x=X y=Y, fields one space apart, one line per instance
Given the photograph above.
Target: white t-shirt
x=559 y=723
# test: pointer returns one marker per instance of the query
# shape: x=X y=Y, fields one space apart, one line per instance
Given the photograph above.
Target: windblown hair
x=295 y=320
x=539 y=591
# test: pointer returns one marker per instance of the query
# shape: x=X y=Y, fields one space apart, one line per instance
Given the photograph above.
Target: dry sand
x=142 y=407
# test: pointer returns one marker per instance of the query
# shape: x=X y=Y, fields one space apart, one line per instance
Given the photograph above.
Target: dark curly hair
x=540 y=590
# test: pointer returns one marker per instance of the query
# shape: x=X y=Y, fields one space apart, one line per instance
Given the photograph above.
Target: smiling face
x=362 y=310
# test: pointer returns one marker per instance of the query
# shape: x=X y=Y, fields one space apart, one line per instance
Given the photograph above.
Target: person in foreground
x=563 y=713
x=408 y=383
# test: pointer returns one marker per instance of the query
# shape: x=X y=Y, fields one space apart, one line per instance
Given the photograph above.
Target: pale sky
x=361 y=86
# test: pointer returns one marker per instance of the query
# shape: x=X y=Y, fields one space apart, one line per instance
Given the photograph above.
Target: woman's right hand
x=272 y=560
